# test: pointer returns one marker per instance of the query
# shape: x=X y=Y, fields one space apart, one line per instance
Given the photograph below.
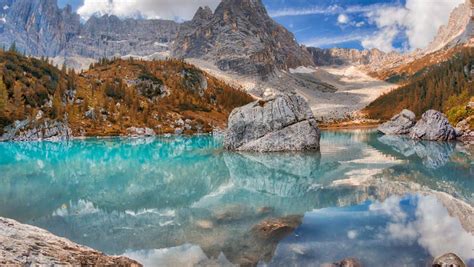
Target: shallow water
x=184 y=201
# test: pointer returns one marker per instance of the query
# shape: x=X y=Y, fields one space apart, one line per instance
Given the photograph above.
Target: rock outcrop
x=24 y=245
x=43 y=130
x=464 y=129
x=241 y=37
x=140 y=132
x=399 y=124
x=281 y=123
x=433 y=126
x=459 y=30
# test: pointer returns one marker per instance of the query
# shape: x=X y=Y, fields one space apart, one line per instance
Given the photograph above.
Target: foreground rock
x=44 y=130
x=22 y=244
x=281 y=123
x=433 y=126
x=399 y=124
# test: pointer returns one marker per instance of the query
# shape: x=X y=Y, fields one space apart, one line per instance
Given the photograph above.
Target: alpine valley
x=155 y=140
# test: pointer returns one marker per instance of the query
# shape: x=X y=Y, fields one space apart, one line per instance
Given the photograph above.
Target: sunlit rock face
x=240 y=37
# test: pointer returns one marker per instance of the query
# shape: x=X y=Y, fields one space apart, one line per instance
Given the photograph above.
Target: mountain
x=441 y=86
x=41 y=28
x=37 y=27
x=241 y=37
x=166 y=96
x=110 y=36
x=343 y=56
x=459 y=30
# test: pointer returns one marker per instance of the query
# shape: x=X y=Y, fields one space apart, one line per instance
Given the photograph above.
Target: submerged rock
x=399 y=124
x=350 y=262
x=448 y=260
x=276 y=229
x=433 y=126
x=48 y=130
x=281 y=123
x=22 y=244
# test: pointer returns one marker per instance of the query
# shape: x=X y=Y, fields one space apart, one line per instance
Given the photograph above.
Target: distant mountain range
x=239 y=36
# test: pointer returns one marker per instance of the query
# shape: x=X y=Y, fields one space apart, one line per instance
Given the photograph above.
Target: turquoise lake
x=184 y=201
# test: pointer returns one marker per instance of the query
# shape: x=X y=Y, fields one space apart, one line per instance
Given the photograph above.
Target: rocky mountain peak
x=203 y=13
x=459 y=30
x=240 y=37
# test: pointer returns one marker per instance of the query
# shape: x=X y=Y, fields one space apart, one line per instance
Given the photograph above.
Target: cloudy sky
x=401 y=25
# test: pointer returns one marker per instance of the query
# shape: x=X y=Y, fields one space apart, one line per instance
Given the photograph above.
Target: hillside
x=442 y=86
x=113 y=95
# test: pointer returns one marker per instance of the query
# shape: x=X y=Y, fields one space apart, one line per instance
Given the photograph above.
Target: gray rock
x=282 y=123
x=399 y=124
x=433 y=126
x=464 y=131
x=350 y=262
x=240 y=36
x=90 y=114
x=140 y=132
x=48 y=130
x=24 y=245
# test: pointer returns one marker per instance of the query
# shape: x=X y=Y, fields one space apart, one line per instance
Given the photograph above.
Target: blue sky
x=400 y=25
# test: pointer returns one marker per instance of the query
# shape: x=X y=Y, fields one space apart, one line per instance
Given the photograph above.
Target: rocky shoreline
x=22 y=244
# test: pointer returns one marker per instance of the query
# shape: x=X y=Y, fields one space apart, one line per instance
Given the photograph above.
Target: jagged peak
x=203 y=13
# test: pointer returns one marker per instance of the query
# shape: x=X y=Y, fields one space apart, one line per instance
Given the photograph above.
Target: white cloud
x=419 y=20
x=327 y=41
x=163 y=9
x=342 y=19
x=330 y=10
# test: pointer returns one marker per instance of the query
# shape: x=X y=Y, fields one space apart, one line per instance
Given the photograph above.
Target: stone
x=90 y=114
x=279 y=123
x=140 y=132
x=276 y=228
x=399 y=124
x=464 y=130
x=25 y=245
x=350 y=262
x=448 y=260
x=433 y=126
x=47 y=130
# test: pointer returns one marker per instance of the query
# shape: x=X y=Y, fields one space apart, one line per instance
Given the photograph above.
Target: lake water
x=184 y=201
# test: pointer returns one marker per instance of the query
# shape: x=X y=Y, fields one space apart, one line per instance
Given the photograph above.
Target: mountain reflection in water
x=184 y=201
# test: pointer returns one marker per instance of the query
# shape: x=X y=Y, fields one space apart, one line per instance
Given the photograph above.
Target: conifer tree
x=3 y=97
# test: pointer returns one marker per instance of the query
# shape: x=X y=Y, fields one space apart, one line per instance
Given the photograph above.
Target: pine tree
x=3 y=97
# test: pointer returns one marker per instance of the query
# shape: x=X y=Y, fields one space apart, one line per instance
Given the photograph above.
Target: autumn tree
x=3 y=97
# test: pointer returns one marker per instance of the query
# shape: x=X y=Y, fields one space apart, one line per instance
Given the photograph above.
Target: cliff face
x=109 y=36
x=241 y=37
x=40 y=28
x=37 y=27
x=459 y=30
x=342 y=56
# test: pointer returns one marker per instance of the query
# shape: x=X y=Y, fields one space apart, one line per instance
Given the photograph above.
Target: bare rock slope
x=22 y=244
x=241 y=37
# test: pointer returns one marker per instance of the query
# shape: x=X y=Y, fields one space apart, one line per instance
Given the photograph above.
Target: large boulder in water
x=280 y=123
x=399 y=124
x=433 y=126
